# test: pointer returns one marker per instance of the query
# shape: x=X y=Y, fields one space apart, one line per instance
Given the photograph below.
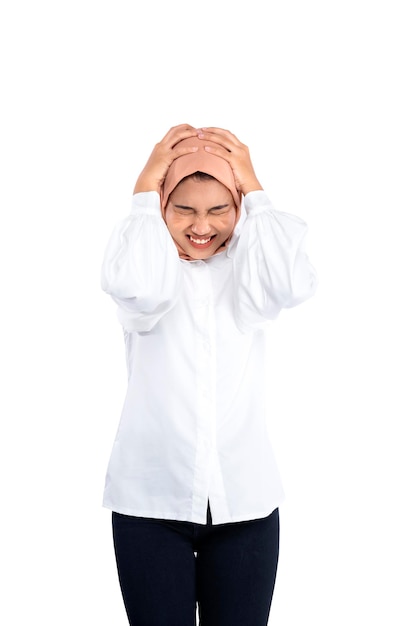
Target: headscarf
x=200 y=161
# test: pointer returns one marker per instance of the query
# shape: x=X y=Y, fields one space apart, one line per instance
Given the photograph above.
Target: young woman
x=192 y=480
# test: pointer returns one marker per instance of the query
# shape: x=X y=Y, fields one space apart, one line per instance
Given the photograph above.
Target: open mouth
x=200 y=242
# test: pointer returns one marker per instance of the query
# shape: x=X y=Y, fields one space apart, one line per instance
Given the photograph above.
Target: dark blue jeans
x=168 y=568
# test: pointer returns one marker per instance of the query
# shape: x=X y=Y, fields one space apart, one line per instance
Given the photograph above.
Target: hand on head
x=227 y=147
x=164 y=153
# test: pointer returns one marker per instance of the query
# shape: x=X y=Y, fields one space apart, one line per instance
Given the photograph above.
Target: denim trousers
x=170 y=571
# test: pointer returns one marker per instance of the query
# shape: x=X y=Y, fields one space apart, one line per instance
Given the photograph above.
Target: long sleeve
x=141 y=268
x=271 y=269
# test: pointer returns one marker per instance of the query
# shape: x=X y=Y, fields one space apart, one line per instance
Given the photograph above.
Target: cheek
x=228 y=224
x=171 y=219
x=174 y=222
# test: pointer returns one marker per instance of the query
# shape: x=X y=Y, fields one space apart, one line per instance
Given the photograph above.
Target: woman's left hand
x=235 y=153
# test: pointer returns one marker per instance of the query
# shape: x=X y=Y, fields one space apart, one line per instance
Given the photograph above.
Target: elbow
x=301 y=289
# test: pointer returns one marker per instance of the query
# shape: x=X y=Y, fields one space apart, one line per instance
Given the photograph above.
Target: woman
x=192 y=480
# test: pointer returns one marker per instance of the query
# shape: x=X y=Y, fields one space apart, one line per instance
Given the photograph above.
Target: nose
x=201 y=225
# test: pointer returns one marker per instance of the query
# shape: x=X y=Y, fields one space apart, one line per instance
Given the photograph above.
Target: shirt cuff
x=147 y=203
x=257 y=201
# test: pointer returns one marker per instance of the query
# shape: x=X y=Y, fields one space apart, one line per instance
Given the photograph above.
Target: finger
x=219 y=135
x=220 y=151
x=224 y=147
x=177 y=133
x=182 y=150
x=218 y=131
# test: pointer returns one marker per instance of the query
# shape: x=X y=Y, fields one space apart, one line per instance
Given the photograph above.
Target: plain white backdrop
x=324 y=93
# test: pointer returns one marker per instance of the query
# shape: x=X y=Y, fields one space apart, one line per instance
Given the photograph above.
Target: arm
x=272 y=270
x=141 y=268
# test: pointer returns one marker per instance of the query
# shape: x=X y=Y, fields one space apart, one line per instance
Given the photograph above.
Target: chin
x=200 y=255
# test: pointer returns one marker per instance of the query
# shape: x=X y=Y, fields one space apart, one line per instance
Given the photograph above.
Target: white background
x=324 y=94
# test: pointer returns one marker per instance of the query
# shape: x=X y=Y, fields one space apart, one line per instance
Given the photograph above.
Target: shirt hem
x=216 y=520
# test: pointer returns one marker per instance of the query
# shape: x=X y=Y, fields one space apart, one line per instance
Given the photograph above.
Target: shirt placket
x=205 y=359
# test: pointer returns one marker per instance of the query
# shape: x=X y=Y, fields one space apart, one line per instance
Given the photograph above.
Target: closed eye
x=183 y=209
x=220 y=210
x=215 y=210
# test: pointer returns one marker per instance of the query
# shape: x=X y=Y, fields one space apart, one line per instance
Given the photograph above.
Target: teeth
x=200 y=241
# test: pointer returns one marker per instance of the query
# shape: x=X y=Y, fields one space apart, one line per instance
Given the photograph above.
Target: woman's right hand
x=164 y=153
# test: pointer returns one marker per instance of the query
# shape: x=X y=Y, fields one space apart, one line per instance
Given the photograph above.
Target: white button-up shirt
x=193 y=428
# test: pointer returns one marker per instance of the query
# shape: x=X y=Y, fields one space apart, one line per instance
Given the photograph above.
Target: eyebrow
x=219 y=206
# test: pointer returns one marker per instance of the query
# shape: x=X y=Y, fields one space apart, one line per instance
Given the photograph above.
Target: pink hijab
x=200 y=161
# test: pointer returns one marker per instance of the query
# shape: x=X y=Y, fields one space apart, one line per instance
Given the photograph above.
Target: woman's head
x=200 y=202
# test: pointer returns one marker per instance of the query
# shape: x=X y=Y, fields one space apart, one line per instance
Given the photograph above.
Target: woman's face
x=200 y=216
